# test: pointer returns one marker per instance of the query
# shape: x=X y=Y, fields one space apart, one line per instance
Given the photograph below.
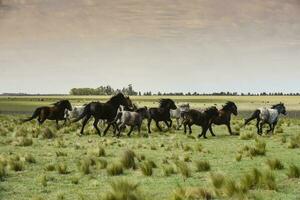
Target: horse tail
x=255 y=115
x=84 y=113
x=35 y=114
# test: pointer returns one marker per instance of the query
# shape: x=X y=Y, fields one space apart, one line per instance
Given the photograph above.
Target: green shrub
x=191 y=194
x=15 y=165
x=202 y=166
x=217 y=180
x=102 y=164
x=114 y=169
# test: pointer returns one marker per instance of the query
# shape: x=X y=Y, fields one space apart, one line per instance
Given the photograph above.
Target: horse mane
x=164 y=102
x=276 y=105
x=116 y=97
x=211 y=110
x=228 y=105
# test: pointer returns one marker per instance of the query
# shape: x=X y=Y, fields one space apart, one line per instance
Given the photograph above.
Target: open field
x=42 y=163
x=25 y=105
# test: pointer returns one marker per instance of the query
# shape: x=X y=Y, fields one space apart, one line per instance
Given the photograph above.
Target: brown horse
x=199 y=118
x=224 y=116
x=56 y=112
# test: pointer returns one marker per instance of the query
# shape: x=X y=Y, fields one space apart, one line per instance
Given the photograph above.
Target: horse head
x=167 y=103
x=63 y=104
x=280 y=108
x=231 y=107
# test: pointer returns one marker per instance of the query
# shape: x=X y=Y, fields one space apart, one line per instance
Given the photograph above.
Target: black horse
x=105 y=111
x=268 y=116
x=162 y=113
x=56 y=112
x=224 y=116
x=200 y=118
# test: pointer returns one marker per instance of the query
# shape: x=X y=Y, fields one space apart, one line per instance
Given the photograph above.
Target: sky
x=51 y=46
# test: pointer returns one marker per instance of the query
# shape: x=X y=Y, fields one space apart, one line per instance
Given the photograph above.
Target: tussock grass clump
x=294 y=142
x=114 y=169
x=3 y=131
x=202 y=166
x=75 y=180
x=279 y=129
x=247 y=135
x=168 y=170
x=238 y=157
x=184 y=169
x=123 y=189
x=217 y=180
x=191 y=194
x=62 y=168
x=43 y=180
x=146 y=168
x=275 y=164
x=127 y=159
x=84 y=166
x=50 y=167
x=15 y=165
x=259 y=148
x=23 y=141
x=199 y=147
x=3 y=172
x=102 y=164
x=20 y=132
x=29 y=158
x=60 y=153
x=47 y=133
x=293 y=171
x=98 y=152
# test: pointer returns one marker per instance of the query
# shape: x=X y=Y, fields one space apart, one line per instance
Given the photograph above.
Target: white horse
x=177 y=113
x=75 y=113
x=268 y=116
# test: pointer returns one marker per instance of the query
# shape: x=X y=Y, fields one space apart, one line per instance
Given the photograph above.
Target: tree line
x=129 y=90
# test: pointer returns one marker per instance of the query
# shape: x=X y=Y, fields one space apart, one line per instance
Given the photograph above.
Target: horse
x=162 y=113
x=56 y=112
x=132 y=119
x=200 y=118
x=268 y=116
x=76 y=112
x=224 y=116
x=177 y=114
x=103 y=111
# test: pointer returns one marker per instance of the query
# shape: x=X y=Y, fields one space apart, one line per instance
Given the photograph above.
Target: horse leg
x=57 y=125
x=211 y=131
x=171 y=122
x=149 y=124
x=96 y=126
x=108 y=126
x=139 y=128
x=261 y=127
x=273 y=127
x=167 y=124
x=85 y=120
x=204 y=130
x=229 y=128
x=157 y=125
x=190 y=128
x=257 y=126
x=178 y=124
x=131 y=128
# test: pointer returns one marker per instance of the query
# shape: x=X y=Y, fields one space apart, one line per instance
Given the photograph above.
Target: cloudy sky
x=50 y=46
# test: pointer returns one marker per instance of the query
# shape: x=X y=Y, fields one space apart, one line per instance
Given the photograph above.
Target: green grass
x=60 y=164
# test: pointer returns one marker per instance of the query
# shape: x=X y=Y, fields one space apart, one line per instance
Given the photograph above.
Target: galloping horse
x=178 y=113
x=104 y=111
x=268 y=116
x=57 y=112
x=162 y=113
x=224 y=116
x=200 y=118
x=132 y=119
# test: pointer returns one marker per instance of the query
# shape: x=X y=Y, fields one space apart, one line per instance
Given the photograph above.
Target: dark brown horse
x=56 y=112
x=224 y=116
x=199 y=118
x=162 y=113
x=104 y=111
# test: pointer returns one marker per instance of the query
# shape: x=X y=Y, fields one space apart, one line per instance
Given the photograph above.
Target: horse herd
x=119 y=112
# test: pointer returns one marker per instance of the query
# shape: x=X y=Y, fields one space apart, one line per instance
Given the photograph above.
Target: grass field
x=45 y=163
